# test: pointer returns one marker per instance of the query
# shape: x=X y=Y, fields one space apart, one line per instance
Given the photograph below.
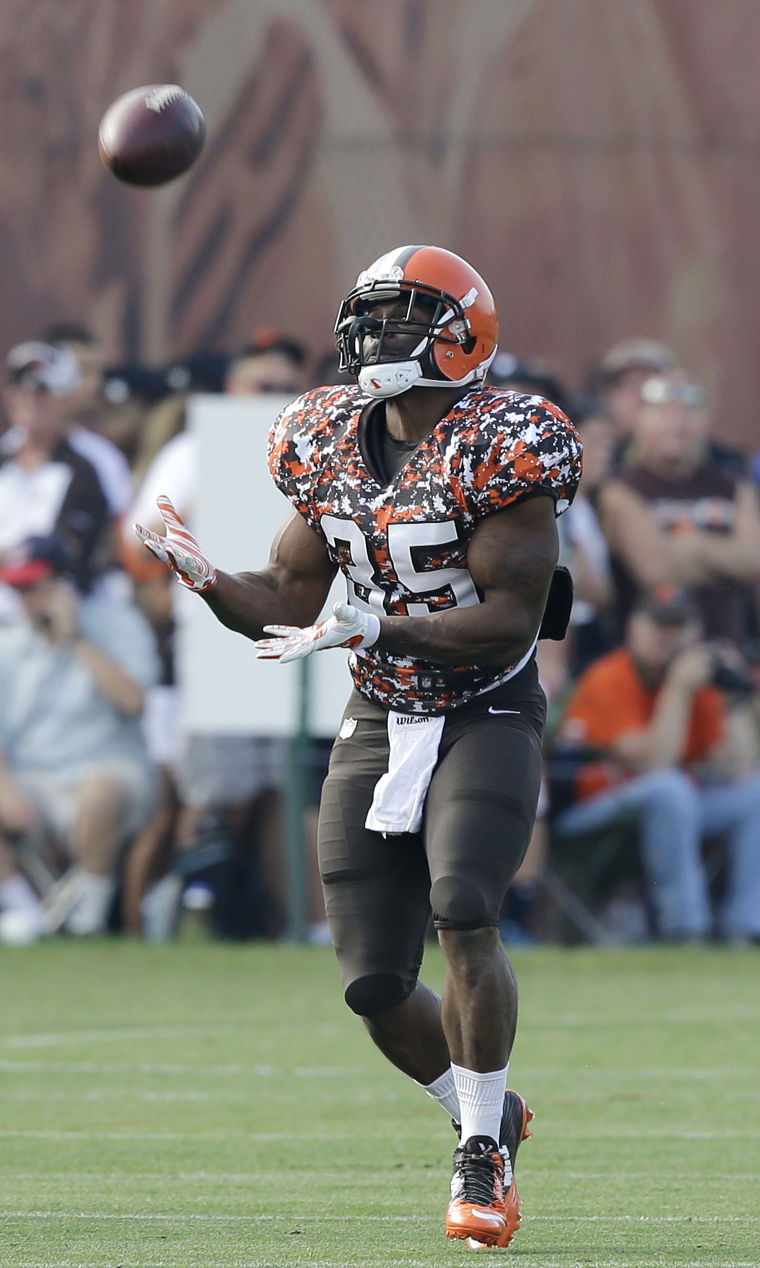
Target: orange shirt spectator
x=610 y=700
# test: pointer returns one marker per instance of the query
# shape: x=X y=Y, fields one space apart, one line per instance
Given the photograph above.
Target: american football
x=151 y=135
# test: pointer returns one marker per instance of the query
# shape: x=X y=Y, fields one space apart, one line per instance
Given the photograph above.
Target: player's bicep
x=299 y=571
x=513 y=554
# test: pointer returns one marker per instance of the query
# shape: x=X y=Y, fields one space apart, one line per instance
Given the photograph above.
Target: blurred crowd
x=113 y=819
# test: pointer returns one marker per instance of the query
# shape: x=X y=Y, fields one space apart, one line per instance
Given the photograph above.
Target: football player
x=436 y=497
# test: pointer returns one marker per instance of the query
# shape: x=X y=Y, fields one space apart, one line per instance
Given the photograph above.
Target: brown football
x=151 y=135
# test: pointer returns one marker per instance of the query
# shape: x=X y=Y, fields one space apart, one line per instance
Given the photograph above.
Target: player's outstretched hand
x=178 y=548
x=347 y=627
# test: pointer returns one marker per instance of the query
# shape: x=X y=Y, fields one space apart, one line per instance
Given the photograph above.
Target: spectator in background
x=601 y=439
x=273 y=364
x=165 y=420
x=661 y=754
x=91 y=358
x=671 y=515
x=167 y=415
x=227 y=786
x=46 y=486
x=127 y=395
x=618 y=379
x=84 y=413
x=75 y=779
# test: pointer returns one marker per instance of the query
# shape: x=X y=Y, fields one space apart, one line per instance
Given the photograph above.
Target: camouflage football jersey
x=402 y=546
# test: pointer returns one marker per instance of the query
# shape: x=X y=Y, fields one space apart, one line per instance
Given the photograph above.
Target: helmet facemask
x=431 y=321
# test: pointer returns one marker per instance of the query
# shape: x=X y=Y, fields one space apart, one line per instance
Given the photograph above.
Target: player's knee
x=458 y=903
x=374 y=993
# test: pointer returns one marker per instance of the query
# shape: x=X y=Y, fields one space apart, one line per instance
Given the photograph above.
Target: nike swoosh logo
x=492 y=710
x=485 y=1215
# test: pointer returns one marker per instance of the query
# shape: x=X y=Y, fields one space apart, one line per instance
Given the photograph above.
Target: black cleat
x=513 y=1129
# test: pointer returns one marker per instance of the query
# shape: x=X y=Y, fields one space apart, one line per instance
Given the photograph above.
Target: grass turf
x=213 y=1105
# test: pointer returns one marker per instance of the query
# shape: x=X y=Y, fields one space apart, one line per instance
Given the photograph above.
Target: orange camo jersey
x=402 y=546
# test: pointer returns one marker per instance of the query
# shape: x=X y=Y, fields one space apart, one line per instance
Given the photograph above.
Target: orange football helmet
x=446 y=304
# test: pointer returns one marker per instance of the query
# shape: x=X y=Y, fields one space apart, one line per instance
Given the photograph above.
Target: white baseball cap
x=35 y=364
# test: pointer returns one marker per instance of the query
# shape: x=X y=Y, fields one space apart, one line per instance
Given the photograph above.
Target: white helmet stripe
x=389 y=267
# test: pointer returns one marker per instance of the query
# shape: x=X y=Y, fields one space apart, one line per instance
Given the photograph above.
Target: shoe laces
x=477 y=1177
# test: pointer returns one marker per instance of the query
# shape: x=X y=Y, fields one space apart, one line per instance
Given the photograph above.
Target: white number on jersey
x=454 y=586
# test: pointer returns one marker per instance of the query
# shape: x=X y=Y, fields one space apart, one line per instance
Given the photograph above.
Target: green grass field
x=215 y=1105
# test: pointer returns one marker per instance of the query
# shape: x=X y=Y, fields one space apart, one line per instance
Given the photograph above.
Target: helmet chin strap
x=394 y=377
x=389 y=379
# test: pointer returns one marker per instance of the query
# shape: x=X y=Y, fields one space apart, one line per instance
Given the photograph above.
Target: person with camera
x=76 y=782
x=676 y=512
x=653 y=720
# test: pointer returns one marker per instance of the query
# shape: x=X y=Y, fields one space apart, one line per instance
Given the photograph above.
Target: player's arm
x=511 y=559
x=290 y=590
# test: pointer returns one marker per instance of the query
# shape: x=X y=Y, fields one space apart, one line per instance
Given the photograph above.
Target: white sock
x=16 y=894
x=444 y=1092
x=481 y=1101
x=90 y=912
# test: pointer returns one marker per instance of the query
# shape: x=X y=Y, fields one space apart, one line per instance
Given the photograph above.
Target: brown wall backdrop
x=597 y=160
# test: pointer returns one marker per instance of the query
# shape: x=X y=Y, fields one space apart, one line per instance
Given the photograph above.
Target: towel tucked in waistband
x=400 y=793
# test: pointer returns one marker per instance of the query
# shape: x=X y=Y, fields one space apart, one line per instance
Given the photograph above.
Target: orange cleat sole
x=485 y=1225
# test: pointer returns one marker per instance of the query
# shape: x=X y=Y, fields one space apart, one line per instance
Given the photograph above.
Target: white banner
x=224 y=689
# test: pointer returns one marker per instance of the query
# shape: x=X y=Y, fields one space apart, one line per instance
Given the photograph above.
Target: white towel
x=400 y=792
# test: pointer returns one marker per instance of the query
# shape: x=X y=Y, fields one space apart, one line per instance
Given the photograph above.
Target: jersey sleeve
x=525 y=446
x=302 y=447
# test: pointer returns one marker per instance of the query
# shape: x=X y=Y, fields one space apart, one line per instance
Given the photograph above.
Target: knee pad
x=459 y=903
x=375 y=992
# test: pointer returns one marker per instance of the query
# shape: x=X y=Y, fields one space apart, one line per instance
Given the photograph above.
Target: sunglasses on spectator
x=659 y=391
x=25 y=382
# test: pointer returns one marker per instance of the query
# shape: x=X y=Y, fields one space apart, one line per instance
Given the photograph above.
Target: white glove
x=179 y=549
x=347 y=627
